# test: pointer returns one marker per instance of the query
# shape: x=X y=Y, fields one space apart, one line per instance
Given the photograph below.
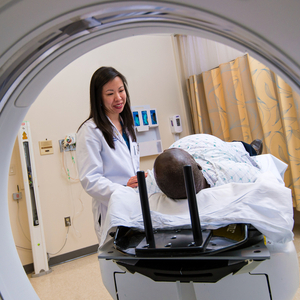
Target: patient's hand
x=132 y=182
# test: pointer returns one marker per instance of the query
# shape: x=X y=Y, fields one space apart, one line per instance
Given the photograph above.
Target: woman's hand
x=133 y=182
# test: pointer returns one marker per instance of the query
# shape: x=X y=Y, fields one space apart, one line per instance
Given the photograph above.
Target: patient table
x=233 y=262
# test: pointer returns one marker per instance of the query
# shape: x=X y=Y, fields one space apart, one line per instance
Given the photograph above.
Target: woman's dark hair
x=102 y=76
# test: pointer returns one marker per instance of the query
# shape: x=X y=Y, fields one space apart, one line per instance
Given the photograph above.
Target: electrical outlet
x=67 y=221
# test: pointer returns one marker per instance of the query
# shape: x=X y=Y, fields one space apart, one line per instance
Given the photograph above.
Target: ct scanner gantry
x=39 y=38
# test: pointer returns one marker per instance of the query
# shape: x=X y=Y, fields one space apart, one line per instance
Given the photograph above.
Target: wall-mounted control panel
x=175 y=123
x=68 y=143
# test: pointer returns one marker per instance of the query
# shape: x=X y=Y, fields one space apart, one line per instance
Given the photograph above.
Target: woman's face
x=114 y=97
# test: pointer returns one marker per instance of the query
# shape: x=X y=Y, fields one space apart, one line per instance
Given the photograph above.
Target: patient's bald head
x=169 y=176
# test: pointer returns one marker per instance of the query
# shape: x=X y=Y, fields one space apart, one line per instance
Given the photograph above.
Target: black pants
x=249 y=149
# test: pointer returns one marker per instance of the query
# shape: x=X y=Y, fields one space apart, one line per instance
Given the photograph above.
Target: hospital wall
x=149 y=64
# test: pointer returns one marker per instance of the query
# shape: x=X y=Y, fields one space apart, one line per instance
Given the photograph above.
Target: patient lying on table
x=243 y=189
x=214 y=162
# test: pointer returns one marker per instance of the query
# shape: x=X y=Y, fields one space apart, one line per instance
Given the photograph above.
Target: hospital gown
x=221 y=162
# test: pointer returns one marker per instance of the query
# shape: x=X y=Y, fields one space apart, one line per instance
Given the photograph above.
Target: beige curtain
x=197 y=54
x=244 y=100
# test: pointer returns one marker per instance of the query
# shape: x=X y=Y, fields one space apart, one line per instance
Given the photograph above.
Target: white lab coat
x=102 y=169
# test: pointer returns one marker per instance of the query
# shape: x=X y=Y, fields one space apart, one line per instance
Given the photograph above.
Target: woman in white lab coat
x=107 y=151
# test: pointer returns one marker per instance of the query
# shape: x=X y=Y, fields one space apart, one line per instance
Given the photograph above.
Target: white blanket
x=266 y=204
